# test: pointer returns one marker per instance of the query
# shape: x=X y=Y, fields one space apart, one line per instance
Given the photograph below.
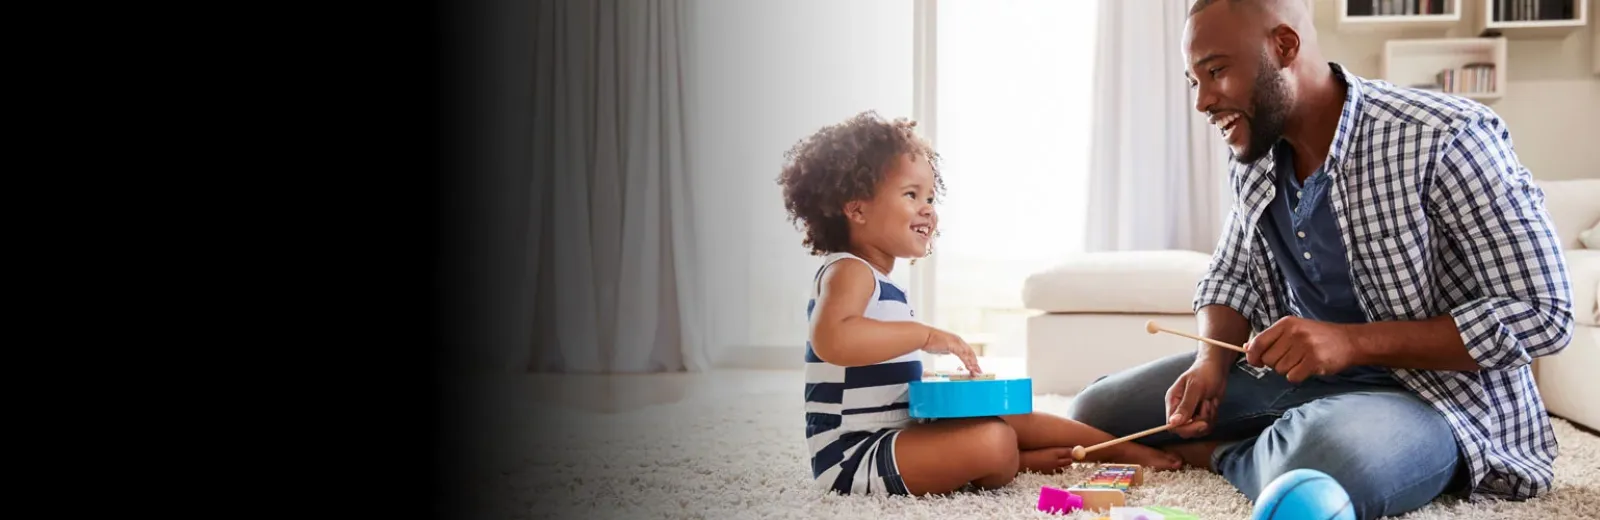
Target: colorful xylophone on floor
x=1108 y=486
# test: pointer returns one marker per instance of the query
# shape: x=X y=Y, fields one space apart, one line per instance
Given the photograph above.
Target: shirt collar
x=1349 y=117
x=1343 y=135
x=1258 y=183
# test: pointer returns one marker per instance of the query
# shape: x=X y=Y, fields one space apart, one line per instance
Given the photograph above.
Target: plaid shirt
x=1438 y=217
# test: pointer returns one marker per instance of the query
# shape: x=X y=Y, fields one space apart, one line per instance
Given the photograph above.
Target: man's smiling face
x=1236 y=82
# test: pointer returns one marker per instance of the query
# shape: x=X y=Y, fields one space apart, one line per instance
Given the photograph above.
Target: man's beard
x=1269 y=110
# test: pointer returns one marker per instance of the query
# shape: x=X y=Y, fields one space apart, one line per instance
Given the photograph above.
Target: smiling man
x=1398 y=269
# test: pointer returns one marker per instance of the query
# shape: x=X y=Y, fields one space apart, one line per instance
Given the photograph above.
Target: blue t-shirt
x=1301 y=229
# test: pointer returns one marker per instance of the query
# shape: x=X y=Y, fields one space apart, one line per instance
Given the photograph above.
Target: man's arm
x=1224 y=294
x=1431 y=344
x=1488 y=205
x=1225 y=324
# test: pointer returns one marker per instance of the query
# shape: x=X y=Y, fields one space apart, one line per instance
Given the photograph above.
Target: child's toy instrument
x=1149 y=513
x=1079 y=451
x=950 y=396
x=1152 y=327
x=1108 y=486
x=1059 y=501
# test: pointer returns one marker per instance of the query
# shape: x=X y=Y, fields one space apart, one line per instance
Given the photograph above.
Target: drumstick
x=1079 y=451
x=1151 y=327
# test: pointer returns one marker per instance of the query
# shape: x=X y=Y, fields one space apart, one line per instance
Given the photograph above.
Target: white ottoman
x=1094 y=308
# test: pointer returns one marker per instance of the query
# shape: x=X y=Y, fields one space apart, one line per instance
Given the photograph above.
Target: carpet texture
x=743 y=456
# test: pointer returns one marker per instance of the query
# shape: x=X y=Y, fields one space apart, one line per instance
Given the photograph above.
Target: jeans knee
x=1107 y=402
x=1387 y=467
x=1093 y=405
x=1370 y=494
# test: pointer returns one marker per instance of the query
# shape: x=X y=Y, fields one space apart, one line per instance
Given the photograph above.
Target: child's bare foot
x=1134 y=453
x=1197 y=454
x=1046 y=460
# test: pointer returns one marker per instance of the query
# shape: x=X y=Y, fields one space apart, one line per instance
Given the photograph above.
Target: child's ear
x=856 y=211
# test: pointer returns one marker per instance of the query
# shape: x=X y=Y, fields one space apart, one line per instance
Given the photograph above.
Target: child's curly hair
x=842 y=163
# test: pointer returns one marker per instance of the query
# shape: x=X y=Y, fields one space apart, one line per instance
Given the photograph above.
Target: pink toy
x=1052 y=500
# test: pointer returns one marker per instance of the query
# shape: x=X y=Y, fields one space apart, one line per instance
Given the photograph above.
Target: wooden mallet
x=1151 y=327
x=1079 y=451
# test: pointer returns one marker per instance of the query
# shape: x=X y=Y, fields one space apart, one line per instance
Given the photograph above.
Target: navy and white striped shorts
x=868 y=467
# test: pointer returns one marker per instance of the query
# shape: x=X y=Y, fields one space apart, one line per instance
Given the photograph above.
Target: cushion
x=1591 y=238
x=1147 y=282
x=1573 y=205
x=1583 y=266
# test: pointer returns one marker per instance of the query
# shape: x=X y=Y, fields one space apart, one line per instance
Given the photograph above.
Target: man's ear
x=1285 y=44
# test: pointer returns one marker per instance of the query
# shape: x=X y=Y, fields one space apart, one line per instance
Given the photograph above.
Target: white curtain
x=1158 y=170
x=613 y=236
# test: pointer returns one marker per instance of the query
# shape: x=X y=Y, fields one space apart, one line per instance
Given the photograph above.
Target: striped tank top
x=852 y=407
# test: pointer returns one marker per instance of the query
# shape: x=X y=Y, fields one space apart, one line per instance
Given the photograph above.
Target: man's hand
x=1192 y=401
x=1300 y=348
x=941 y=342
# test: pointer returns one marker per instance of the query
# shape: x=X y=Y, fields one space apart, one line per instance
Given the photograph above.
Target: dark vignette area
x=487 y=95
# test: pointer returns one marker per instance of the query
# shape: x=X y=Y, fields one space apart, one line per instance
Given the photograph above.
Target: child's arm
x=842 y=336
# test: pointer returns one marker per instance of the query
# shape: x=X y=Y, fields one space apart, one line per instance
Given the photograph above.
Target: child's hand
x=941 y=342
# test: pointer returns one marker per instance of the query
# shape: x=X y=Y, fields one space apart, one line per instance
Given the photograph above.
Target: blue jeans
x=1389 y=449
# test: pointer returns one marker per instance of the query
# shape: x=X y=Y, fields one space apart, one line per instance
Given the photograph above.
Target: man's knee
x=1347 y=466
x=1376 y=485
x=1109 y=398
x=1387 y=466
x=1095 y=405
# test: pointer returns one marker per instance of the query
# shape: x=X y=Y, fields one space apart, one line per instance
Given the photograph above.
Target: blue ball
x=1303 y=494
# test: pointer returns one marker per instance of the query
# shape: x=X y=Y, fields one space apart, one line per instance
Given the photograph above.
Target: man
x=1397 y=264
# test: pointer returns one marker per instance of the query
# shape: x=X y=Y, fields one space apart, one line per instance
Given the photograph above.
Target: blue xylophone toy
x=952 y=396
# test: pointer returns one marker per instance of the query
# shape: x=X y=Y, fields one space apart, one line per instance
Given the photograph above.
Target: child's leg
x=943 y=456
x=1046 y=443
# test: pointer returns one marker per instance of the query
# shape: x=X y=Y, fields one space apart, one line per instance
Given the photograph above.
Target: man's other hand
x=1193 y=399
x=1300 y=348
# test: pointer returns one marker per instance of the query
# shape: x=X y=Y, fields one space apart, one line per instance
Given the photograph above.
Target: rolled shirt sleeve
x=1226 y=279
x=1496 y=215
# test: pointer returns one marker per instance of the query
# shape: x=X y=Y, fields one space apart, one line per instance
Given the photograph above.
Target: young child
x=864 y=191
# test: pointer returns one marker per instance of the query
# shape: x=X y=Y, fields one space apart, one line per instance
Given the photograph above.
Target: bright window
x=1014 y=80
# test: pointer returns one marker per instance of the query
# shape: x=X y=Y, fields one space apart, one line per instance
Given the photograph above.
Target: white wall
x=1552 y=102
x=770 y=72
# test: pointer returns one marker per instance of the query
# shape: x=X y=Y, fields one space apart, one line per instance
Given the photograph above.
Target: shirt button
x=1297 y=194
x=1301 y=234
x=1308 y=255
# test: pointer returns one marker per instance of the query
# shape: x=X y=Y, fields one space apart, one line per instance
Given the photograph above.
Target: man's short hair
x=1200 y=5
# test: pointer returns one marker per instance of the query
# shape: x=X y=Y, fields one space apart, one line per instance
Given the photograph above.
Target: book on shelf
x=1534 y=10
x=1471 y=78
x=1396 y=7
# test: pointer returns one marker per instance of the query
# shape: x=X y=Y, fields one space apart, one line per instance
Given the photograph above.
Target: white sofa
x=1567 y=380
x=1092 y=319
x=1093 y=322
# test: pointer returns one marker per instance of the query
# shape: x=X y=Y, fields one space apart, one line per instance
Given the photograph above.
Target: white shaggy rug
x=743 y=456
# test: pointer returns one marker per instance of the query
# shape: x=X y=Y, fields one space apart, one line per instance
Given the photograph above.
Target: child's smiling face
x=899 y=219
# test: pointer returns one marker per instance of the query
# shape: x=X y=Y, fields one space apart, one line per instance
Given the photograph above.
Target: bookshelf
x=1477 y=65
x=1399 y=14
x=1532 y=18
